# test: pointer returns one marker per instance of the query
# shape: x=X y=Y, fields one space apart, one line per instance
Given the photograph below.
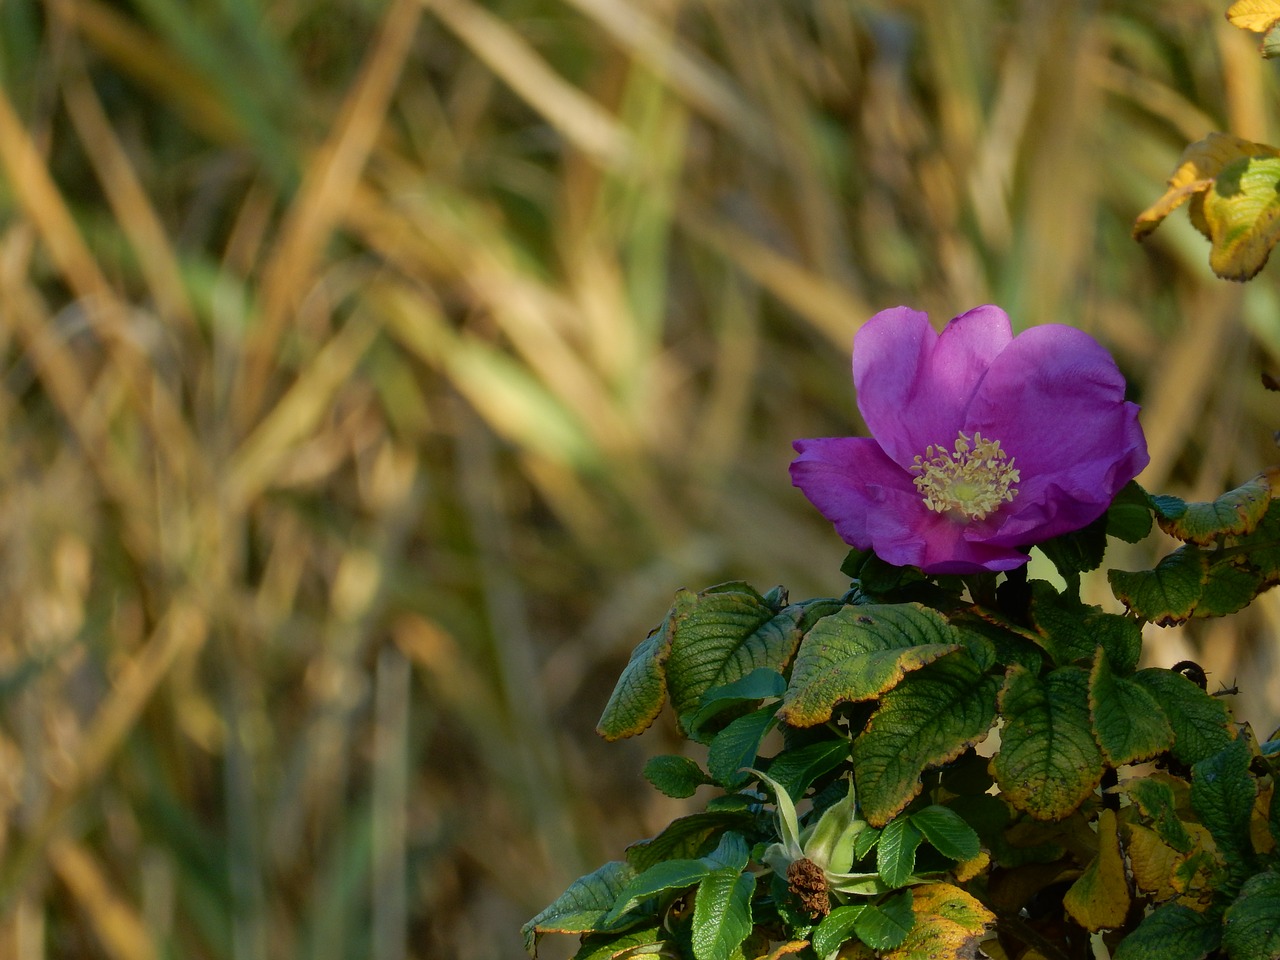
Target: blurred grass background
x=374 y=372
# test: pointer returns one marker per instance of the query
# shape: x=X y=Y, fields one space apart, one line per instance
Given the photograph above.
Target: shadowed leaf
x=1201 y=723
x=1099 y=899
x=1250 y=927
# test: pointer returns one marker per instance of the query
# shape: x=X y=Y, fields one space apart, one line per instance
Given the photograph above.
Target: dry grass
x=374 y=373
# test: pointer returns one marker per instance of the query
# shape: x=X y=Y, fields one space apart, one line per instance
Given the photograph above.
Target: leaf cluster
x=851 y=813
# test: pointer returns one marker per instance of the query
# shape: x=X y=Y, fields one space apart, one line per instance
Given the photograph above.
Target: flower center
x=971 y=482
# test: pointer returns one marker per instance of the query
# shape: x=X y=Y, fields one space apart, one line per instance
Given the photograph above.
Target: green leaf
x=687 y=837
x=1242 y=212
x=836 y=927
x=660 y=878
x=762 y=684
x=884 y=925
x=1230 y=586
x=1235 y=513
x=1048 y=761
x=795 y=770
x=736 y=746
x=1155 y=800
x=1127 y=722
x=722 y=914
x=641 y=691
x=1222 y=795
x=1010 y=642
x=1251 y=925
x=896 y=852
x=947 y=832
x=1201 y=723
x=1172 y=932
x=1079 y=551
x=1129 y=516
x=583 y=907
x=674 y=776
x=930 y=717
x=720 y=636
x=639 y=944
x=1168 y=594
x=1071 y=632
x=859 y=653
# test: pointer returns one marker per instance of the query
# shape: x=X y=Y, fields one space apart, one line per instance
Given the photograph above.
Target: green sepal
x=1172 y=932
x=1251 y=925
x=1128 y=723
x=884 y=925
x=1201 y=723
x=860 y=652
x=674 y=776
x=932 y=716
x=1236 y=513
x=582 y=908
x=1049 y=761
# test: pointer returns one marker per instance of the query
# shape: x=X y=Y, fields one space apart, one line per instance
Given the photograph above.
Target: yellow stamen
x=968 y=484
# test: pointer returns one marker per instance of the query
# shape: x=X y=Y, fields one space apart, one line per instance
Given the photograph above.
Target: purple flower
x=984 y=443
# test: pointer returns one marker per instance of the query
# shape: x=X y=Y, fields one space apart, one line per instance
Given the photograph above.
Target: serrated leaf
x=835 y=928
x=1222 y=795
x=1235 y=513
x=931 y=717
x=1071 y=631
x=884 y=925
x=736 y=746
x=1168 y=594
x=583 y=907
x=1129 y=516
x=677 y=777
x=721 y=636
x=1172 y=932
x=660 y=878
x=860 y=652
x=722 y=914
x=1255 y=15
x=795 y=770
x=762 y=684
x=1155 y=800
x=947 y=832
x=1010 y=642
x=642 y=943
x=1251 y=925
x=687 y=837
x=1230 y=587
x=1128 y=724
x=1152 y=862
x=641 y=690
x=1079 y=551
x=896 y=852
x=1048 y=761
x=1201 y=723
x=1201 y=162
x=1099 y=899
x=949 y=923
x=1242 y=211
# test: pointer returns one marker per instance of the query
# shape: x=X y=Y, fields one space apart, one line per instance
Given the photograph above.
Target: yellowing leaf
x=949 y=923
x=1099 y=899
x=1242 y=210
x=1257 y=16
x=1153 y=862
x=966 y=870
x=1199 y=164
